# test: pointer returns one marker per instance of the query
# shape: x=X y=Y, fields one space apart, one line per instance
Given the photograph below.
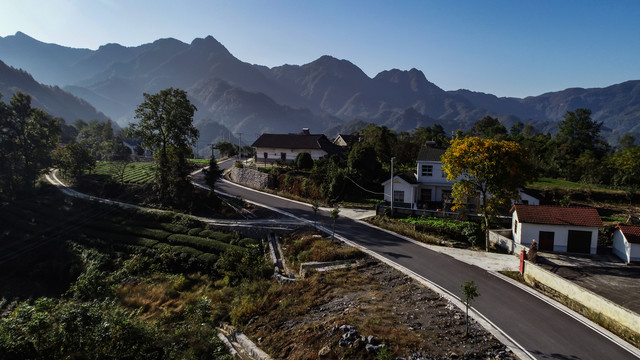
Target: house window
x=427 y=170
x=425 y=195
x=398 y=196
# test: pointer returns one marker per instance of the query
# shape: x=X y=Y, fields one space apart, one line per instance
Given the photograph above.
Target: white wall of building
x=436 y=178
x=409 y=191
x=276 y=153
x=525 y=233
x=625 y=250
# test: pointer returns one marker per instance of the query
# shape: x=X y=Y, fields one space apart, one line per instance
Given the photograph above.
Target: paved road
x=541 y=330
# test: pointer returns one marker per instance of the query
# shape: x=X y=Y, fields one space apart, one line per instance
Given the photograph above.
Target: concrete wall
x=500 y=238
x=585 y=297
x=250 y=177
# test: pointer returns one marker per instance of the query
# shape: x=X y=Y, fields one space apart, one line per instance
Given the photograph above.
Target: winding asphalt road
x=530 y=324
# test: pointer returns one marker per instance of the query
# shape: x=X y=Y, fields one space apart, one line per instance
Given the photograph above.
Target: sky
x=512 y=48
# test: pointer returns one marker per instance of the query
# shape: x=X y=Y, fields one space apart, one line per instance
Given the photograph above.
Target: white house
x=429 y=184
x=556 y=228
x=272 y=147
x=344 y=139
x=626 y=242
x=405 y=187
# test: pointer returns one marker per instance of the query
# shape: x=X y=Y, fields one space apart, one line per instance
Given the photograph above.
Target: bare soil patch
x=374 y=300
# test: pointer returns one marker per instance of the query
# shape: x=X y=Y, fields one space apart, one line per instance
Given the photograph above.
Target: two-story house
x=428 y=187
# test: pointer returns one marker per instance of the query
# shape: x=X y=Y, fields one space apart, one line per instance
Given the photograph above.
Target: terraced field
x=34 y=225
x=135 y=172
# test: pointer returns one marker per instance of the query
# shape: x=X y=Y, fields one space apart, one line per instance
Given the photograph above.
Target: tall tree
x=492 y=169
x=488 y=127
x=166 y=127
x=577 y=134
x=213 y=173
x=74 y=159
x=27 y=137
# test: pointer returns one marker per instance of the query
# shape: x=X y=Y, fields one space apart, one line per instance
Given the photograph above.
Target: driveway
x=605 y=275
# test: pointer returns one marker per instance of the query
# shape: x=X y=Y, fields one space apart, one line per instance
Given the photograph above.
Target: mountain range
x=325 y=95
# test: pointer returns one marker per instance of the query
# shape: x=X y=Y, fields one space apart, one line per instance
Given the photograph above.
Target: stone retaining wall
x=585 y=297
x=250 y=177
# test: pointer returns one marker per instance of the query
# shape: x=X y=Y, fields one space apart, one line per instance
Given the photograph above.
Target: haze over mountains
x=325 y=95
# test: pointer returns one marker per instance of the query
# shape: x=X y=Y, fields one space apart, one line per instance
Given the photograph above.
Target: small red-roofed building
x=626 y=242
x=556 y=228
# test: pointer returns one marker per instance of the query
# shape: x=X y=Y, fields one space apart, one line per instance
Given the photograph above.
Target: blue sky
x=507 y=48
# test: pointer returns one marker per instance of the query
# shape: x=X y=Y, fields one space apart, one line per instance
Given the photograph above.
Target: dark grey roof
x=297 y=141
x=409 y=177
x=430 y=153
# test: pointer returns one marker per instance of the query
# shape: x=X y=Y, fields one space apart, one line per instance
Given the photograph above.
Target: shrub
x=204 y=244
x=174 y=228
x=217 y=235
x=248 y=241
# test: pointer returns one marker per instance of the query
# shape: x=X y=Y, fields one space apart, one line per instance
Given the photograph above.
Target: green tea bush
x=204 y=244
x=217 y=235
x=175 y=228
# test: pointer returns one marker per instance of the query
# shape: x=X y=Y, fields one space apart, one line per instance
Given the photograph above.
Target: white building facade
x=555 y=228
x=626 y=243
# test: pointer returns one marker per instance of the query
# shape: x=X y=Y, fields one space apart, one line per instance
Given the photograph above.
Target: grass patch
x=549 y=184
x=301 y=248
x=201 y=162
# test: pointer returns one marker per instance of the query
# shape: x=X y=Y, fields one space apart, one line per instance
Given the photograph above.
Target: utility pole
x=213 y=146
x=392 y=185
x=240 y=146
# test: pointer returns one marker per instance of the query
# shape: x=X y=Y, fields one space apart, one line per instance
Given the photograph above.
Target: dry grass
x=305 y=247
x=163 y=297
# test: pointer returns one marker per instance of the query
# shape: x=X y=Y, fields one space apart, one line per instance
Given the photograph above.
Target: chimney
x=305 y=131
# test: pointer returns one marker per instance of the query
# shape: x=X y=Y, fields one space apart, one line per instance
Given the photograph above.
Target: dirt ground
x=375 y=300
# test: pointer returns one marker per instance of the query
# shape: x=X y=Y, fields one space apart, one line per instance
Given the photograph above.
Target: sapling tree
x=470 y=292
x=334 y=215
x=315 y=208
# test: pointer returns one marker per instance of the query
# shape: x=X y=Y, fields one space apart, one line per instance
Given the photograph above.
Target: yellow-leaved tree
x=489 y=169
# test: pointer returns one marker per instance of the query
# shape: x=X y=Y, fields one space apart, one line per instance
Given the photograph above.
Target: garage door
x=579 y=242
x=545 y=240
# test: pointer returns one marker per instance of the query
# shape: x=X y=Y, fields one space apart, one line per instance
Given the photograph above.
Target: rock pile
x=351 y=338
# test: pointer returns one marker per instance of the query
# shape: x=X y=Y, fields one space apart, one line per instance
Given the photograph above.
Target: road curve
x=535 y=326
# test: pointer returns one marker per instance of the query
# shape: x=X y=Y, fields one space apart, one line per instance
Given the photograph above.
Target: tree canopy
x=491 y=169
x=166 y=127
x=27 y=137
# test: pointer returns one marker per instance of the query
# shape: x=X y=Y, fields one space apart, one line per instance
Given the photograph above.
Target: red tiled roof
x=631 y=232
x=558 y=215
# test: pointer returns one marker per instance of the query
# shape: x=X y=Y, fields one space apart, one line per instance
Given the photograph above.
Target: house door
x=579 y=242
x=545 y=240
